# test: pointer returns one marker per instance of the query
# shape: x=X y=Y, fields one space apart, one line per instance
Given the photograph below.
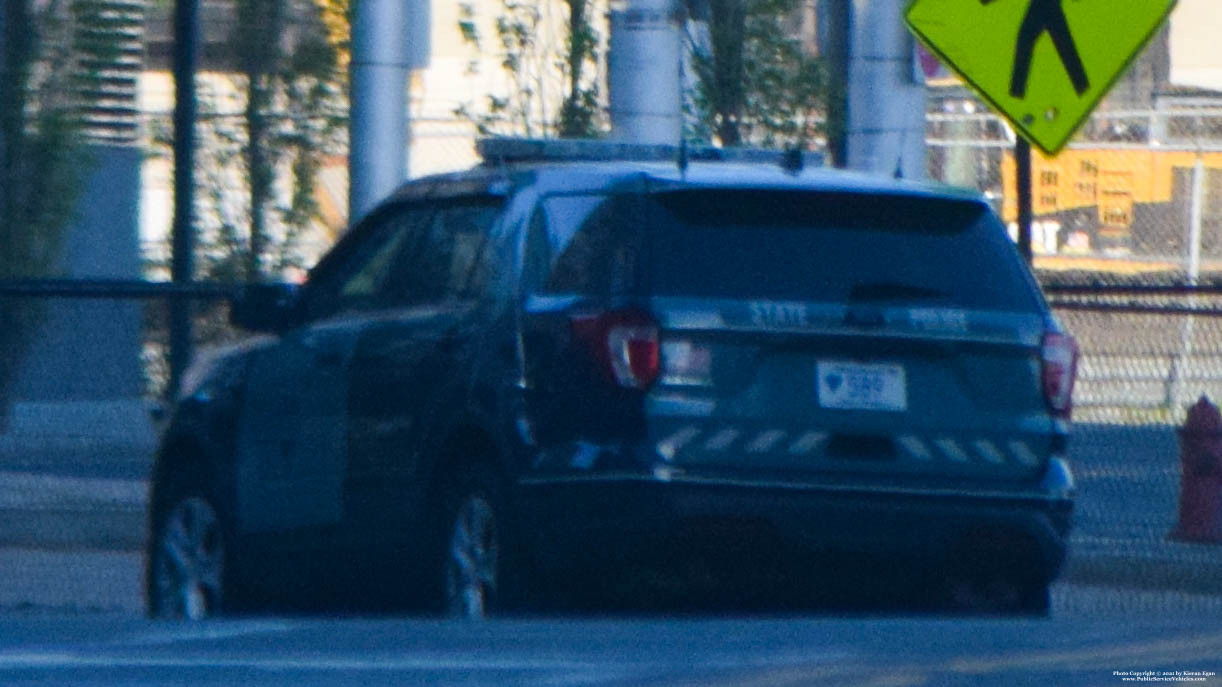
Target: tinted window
x=469 y=223
x=446 y=256
x=355 y=278
x=589 y=239
x=833 y=247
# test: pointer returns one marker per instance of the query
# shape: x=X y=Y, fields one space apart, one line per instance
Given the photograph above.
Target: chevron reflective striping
x=722 y=440
x=807 y=442
x=668 y=447
x=766 y=442
x=952 y=450
x=990 y=452
x=1023 y=453
x=915 y=447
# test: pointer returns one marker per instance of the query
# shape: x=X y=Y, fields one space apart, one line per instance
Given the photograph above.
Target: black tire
x=186 y=564
x=997 y=573
x=996 y=593
x=476 y=577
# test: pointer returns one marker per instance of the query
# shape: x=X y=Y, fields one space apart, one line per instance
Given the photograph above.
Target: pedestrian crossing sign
x=1042 y=64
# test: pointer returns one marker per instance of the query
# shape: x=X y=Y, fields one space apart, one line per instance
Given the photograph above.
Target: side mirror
x=264 y=307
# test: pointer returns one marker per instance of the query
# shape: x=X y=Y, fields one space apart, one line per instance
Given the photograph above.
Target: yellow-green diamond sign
x=1043 y=64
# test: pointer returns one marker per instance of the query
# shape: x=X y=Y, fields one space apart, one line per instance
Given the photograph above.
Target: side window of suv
x=357 y=278
x=446 y=256
x=469 y=224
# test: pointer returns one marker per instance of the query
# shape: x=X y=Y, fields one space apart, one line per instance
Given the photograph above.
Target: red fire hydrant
x=1200 y=475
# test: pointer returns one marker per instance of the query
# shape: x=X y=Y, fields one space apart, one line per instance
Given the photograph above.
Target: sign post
x=1022 y=159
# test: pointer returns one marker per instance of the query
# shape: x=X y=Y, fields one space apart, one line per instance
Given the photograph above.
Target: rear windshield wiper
x=893 y=291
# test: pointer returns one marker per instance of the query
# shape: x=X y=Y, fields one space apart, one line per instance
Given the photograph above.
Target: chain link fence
x=1135 y=200
x=1127 y=239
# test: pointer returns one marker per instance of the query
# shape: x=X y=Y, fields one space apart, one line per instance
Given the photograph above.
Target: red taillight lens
x=1059 y=354
x=625 y=343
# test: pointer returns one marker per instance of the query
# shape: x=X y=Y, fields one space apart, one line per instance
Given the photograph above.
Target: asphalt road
x=103 y=649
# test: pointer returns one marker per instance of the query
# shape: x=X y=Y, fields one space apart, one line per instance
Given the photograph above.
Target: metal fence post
x=1180 y=364
x=182 y=269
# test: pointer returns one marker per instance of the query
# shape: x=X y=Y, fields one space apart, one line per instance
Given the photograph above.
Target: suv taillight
x=625 y=344
x=1059 y=356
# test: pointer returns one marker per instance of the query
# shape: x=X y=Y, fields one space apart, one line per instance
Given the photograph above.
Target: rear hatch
x=891 y=336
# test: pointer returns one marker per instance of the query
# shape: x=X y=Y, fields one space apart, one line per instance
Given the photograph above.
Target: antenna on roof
x=899 y=161
x=682 y=156
x=792 y=160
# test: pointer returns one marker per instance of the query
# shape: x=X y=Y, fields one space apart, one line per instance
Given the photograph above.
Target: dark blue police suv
x=580 y=367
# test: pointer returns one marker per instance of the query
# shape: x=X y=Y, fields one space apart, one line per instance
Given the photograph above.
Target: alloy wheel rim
x=190 y=558
x=471 y=570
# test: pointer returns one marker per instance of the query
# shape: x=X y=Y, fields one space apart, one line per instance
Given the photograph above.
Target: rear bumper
x=612 y=518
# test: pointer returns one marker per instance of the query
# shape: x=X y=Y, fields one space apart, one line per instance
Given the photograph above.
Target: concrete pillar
x=885 y=131
x=643 y=72
x=389 y=39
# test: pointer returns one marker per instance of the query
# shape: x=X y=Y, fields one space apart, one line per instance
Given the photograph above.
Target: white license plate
x=861 y=386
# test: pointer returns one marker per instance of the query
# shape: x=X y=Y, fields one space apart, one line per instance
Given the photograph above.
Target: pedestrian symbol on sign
x=1045 y=16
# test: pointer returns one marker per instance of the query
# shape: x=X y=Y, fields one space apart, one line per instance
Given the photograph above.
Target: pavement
x=67 y=501
x=1128 y=481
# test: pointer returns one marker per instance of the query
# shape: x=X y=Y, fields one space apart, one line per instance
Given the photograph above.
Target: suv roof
x=563 y=165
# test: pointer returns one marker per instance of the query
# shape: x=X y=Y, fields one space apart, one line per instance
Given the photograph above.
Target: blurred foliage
x=579 y=113
x=48 y=71
x=531 y=63
x=258 y=171
x=263 y=134
x=757 y=85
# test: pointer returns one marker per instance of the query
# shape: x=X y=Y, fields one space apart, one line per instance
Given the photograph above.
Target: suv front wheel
x=186 y=558
x=473 y=557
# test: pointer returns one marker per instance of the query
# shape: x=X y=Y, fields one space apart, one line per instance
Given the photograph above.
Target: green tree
x=579 y=113
x=756 y=83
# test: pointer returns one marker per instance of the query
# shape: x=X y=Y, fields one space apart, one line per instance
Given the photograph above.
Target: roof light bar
x=518 y=150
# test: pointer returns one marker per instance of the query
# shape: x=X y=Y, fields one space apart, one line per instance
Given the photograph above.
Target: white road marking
x=28 y=490
x=467 y=662
x=192 y=632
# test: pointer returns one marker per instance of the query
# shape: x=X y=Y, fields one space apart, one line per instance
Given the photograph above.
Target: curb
x=47 y=512
x=73 y=529
x=1152 y=565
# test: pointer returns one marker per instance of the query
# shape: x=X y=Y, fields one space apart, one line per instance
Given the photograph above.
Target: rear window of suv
x=833 y=247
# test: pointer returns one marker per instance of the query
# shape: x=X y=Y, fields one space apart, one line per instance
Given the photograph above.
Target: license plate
x=861 y=386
